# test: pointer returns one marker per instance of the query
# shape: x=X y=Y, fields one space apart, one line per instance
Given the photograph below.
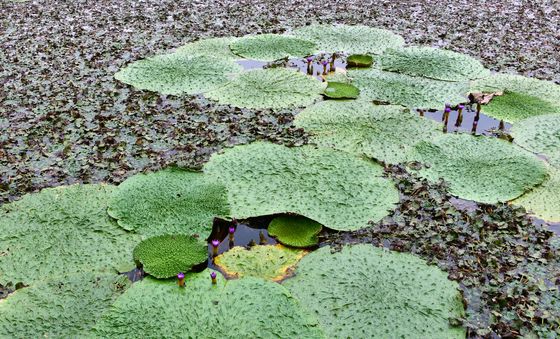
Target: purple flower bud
x=215 y=243
x=324 y=62
x=461 y=106
x=181 y=275
x=309 y=59
x=231 y=230
x=447 y=109
x=213 y=275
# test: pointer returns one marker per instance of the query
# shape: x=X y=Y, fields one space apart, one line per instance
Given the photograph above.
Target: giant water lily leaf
x=540 y=134
x=165 y=256
x=212 y=47
x=483 y=169
x=261 y=261
x=270 y=47
x=350 y=39
x=512 y=107
x=178 y=73
x=66 y=307
x=61 y=231
x=544 y=90
x=269 y=88
x=368 y=292
x=386 y=133
x=544 y=201
x=161 y=309
x=414 y=92
x=295 y=231
x=432 y=63
x=172 y=201
x=334 y=188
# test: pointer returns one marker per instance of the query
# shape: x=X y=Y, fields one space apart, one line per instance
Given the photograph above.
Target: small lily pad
x=262 y=261
x=359 y=60
x=165 y=256
x=340 y=90
x=295 y=231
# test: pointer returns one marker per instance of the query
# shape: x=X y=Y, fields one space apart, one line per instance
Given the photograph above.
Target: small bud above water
x=213 y=276
x=181 y=279
x=215 y=244
x=231 y=231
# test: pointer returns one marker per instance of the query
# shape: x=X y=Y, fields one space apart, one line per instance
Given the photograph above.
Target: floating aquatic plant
x=168 y=202
x=340 y=90
x=295 y=231
x=359 y=60
x=262 y=261
x=166 y=256
x=540 y=134
x=270 y=47
x=212 y=47
x=512 y=107
x=334 y=188
x=544 y=200
x=367 y=292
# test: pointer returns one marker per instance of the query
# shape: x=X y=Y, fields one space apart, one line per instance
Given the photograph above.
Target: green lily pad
x=512 y=107
x=413 y=92
x=545 y=90
x=540 y=134
x=161 y=309
x=178 y=73
x=270 y=47
x=334 y=188
x=261 y=261
x=171 y=201
x=386 y=133
x=212 y=47
x=367 y=292
x=269 y=88
x=65 y=307
x=61 y=231
x=544 y=200
x=340 y=90
x=483 y=169
x=433 y=63
x=357 y=39
x=165 y=256
x=359 y=60
x=295 y=231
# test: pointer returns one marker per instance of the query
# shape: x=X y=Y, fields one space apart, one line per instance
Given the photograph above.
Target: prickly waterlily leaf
x=384 y=132
x=540 y=134
x=334 y=188
x=165 y=256
x=269 y=88
x=295 y=231
x=544 y=90
x=178 y=73
x=60 y=308
x=432 y=63
x=482 y=169
x=402 y=89
x=212 y=47
x=359 y=60
x=340 y=90
x=61 y=231
x=270 y=47
x=357 y=39
x=171 y=201
x=512 y=107
x=544 y=200
x=261 y=261
x=161 y=309
x=368 y=292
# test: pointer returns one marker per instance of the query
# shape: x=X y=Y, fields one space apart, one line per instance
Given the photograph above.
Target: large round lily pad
x=295 y=231
x=483 y=169
x=540 y=134
x=261 y=261
x=432 y=63
x=165 y=256
x=386 y=133
x=178 y=73
x=212 y=47
x=65 y=307
x=357 y=39
x=341 y=90
x=334 y=188
x=269 y=88
x=512 y=107
x=171 y=201
x=61 y=231
x=161 y=309
x=402 y=89
x=368 y=292
x=544 y=201
x=270 y=47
